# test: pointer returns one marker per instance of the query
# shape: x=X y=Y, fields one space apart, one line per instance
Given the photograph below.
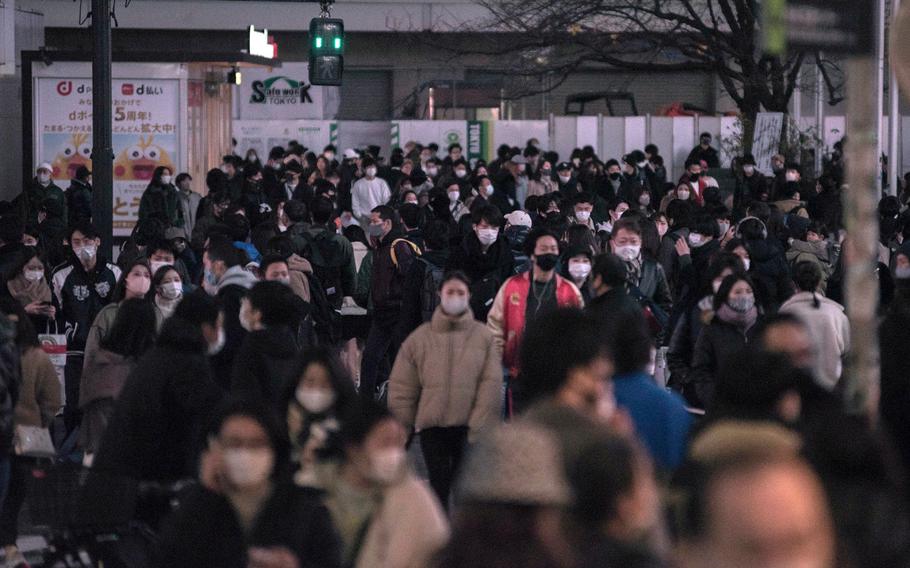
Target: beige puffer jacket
x=447 y=373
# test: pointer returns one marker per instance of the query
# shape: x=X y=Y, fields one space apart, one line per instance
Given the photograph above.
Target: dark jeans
x=72 y=416
x=442 y=450
x=20 y=469
x=378 y=354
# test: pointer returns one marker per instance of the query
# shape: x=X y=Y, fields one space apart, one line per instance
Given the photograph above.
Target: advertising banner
x=262 y=135
x=283 y=93
x=145 y=134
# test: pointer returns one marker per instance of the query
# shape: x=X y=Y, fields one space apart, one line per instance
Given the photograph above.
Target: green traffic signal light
x=337 y=43
x=318 y=43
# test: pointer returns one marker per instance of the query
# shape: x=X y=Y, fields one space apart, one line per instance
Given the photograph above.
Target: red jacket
x=507 y=316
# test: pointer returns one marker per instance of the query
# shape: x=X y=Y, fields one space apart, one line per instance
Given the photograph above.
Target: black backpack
x=324 y=254
x=326 y=319
x=429 y=294
x=483 y=293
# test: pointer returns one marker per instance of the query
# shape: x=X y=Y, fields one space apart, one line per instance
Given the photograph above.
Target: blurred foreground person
x=512 y=498
x=248 y=514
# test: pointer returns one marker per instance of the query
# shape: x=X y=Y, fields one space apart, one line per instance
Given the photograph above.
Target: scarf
x=633 y=272
x=27 y=291
x=166 y=306
x=742 y=320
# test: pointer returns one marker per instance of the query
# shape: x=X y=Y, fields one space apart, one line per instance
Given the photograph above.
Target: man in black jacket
x=81 y=286
x=79 y=196
x=154 y=433
x=612 y=303
x=486 y=257
x=392 y=260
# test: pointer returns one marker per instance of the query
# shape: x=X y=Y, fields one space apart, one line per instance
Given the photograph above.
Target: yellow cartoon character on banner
x=77 y=152
x=138 y=162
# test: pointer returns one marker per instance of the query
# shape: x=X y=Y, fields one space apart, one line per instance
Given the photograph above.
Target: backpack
x=483 y=293
x=796 y=225
x=326 y=319
x=429 y=297
x=324 y=254
x=413 y=246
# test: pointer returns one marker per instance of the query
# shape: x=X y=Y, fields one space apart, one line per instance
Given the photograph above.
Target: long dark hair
x=342 y=385
x=26 y=337
x=120 y=288
x=133 y=331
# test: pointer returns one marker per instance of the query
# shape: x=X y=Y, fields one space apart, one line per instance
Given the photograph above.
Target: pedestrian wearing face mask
x=387 y=517
x=41 y=188
x=247 y=512
x=316 y=400
x=82 y=287
x=160 y=200
x=368 y=192
x=447 y=382
x=485 y=257
x=749 y=184
x=525 y=297
x=28 y=286
x=166 y=291
x=645 y=279
x=576 y=267
x=270 y=313
x=731 y=329
x=154 y=431
x=134 y=283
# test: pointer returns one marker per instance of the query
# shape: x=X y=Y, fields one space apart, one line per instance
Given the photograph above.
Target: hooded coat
x=154 y=433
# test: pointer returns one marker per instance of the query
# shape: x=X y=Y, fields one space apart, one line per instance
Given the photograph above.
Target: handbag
x=33 y=442
x=54 y=344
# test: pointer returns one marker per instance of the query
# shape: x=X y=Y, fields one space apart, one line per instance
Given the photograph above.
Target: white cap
x=350 y=153
x=45 y=166
x=519 y=219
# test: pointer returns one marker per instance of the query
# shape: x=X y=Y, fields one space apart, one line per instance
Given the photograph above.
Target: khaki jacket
x=447 y=373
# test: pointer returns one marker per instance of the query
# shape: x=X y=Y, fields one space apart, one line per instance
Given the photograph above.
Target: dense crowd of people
x=337 y=360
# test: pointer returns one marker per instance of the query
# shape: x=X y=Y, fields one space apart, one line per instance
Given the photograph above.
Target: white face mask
x=314 y=400
x=386 y=465
x=86 y=253
x=684 y=195
x=216 y=348
x=749 y=169
x=696 y=240
x=245 y=322
x=564 y=179
x=453 y=196
x=487 y=236
x=662 y=229
x=454 y=305
x=900 y=272
x=276 y=166
x=329 y=156
x=246 y=467
x=579 y=270
x=747 y=262
x=154 y=265
x=582 y=216
x=628 y=252
x=716 y=285
x=791 y=176
x=171 y=290
x=44 y=178
x=432 y=172
x=724 y=227
x=460 y=173
x=371 y=172
x=166 y=180
x=33 y=275
x=488 y=190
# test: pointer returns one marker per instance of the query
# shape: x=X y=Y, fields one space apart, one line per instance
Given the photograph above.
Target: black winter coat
x=80 y=295
x=155 y=432
x=613 y=306
x=718 y=344
x=487 y=270
x=205 y=531
x=79 y=201
x=388 y=277
x=265 y=361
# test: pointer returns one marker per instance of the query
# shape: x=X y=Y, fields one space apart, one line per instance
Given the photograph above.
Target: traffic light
x=326 y=51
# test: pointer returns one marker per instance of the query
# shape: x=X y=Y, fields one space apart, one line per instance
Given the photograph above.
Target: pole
x=102 y=146
x=861 y=245
x=880 y=88
x=819 y=116
x=894 y=117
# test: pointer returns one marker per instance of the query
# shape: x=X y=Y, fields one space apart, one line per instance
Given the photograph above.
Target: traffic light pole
x=102 y=144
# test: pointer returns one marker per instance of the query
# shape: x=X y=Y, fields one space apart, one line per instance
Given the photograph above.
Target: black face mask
x=615 y=176
x=546 y=262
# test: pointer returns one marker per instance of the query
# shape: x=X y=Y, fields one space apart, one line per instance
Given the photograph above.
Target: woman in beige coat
x=447 y=382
